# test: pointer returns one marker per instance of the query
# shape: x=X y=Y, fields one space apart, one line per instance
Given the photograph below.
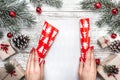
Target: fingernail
x=39 y=59
x=81 y=59
x=92 y=48
x=89 y=48
x=32 y=50
x=43 y=61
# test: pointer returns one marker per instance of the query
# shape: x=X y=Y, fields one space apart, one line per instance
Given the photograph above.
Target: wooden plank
x=71 y=10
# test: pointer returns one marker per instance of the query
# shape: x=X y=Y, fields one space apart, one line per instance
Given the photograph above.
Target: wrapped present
x=103 y=41
x=85 y=39
x=12 y=71
x=47 y=38
x=6 y=50
x=109 y=68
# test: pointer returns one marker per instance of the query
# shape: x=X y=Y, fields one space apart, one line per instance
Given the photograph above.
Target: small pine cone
x=115 y=46
x=119 y=46
x=111 y=69
x=114 y=69
x=20 y=41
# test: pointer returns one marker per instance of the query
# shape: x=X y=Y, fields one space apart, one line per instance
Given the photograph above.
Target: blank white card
x=63 y=57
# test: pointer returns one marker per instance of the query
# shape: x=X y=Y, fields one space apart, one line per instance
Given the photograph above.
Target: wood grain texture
x=71 y=10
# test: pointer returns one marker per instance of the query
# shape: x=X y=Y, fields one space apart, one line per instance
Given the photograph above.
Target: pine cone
x=20 y=41
x=111 y=69
x=115 y=46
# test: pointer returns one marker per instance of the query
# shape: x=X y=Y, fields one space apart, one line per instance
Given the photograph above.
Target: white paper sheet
x=63 y=58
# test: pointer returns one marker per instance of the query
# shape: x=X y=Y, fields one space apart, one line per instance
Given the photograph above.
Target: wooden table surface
x=63 y=57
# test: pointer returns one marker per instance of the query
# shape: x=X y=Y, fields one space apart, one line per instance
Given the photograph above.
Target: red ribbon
x=4 y=47
x=106 y=41
x=13 y=73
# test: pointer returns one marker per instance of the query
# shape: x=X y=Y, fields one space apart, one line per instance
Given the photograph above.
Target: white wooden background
x=63 y=58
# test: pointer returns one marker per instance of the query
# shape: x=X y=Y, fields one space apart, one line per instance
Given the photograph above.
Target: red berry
x=12 y=14
x=97 y=5
x=106 y=41
x=97 y=61
x=114 y=11
x=109 y=75
x=9 y=35
x=38 y=10
x=113 y=35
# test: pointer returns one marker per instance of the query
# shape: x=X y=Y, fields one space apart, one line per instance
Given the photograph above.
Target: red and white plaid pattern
x=85 y=39
x=47 y=37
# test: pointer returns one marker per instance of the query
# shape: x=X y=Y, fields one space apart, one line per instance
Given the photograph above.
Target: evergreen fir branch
x=107 y=4
x=100 y=23
x=36 y=3
x=13 y=29
x=105 y=19
x=115 y=26
x=6 y=2
x=106 y=13
x=23 y=16
x=1 y=34
x=26 y=20
x=9 y=67
x=53 y=3
x=87 y=4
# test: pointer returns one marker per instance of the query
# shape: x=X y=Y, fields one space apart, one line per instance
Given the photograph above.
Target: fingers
x=80 y=66
x=42 y=70
x=36 y=61
x=32 y=64
x=92 y=58
x=29 y=61
x=88 y=58
x=93 y=63
x=28 y=67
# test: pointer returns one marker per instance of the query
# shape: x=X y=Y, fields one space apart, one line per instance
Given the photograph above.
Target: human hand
x=87 y=69
x=34 y=70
